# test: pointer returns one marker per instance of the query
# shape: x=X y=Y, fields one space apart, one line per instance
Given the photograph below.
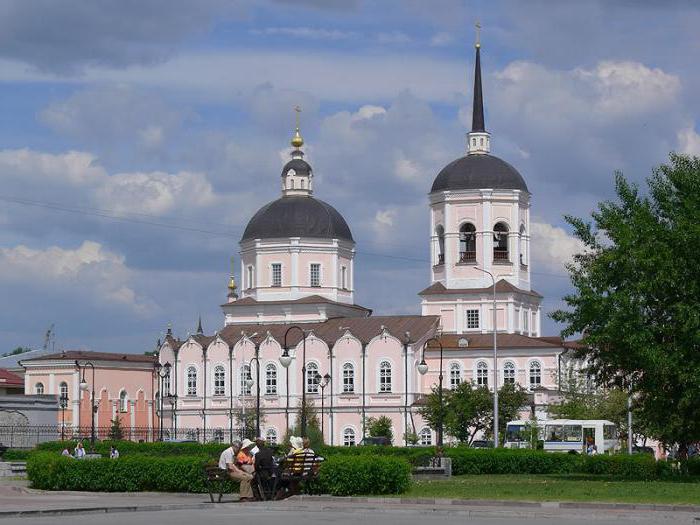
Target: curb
x=100 y=510
x=549 y=505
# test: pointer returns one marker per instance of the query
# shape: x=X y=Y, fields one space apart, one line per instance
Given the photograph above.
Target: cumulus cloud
x=441 y=39
x=552 y=247
x=689 y=141
x=308 y=32
x=87 y=267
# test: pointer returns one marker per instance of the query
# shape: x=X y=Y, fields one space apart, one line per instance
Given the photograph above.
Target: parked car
x=379 y=440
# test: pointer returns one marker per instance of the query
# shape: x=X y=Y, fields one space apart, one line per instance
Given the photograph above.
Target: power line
x=115 y=216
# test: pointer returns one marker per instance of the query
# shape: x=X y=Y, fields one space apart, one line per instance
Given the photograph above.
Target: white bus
x=565 y=435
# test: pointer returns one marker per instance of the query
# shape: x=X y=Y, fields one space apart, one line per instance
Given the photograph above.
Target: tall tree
x=380 y=427
x=637 y=297
x=511 y=399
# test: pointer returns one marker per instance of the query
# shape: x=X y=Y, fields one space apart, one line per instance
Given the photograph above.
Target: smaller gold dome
x=232 y=284
x=297 y=139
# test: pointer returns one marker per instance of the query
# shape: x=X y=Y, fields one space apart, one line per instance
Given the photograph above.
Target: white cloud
x=407 y=169
x=441 y=39
x=385 y=218
x=308 y=32
x=552 y=247
x=89 y=269
x=689 y=141
x=393 y=37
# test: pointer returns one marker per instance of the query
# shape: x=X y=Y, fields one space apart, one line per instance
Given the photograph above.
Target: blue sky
x=137 y=139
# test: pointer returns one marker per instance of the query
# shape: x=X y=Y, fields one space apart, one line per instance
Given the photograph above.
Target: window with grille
x=455 y=375
x=270 y=380
x=509 y=373
x=348 y=437
x=191 y=381
x=219 y=381
x=535 y=374
x=123 y=402
x=426 y=437
x=276 y=274
x=245 y=375
x=39 y=388
x=271 y=437
x=385 y=376
x=472 y=319
x=315 y=276
x=313 y=378
x=63 y=390
x=348 y=378
x=482 y=374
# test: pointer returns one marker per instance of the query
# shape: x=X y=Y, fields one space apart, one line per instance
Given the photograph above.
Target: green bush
x=692 y=466
x=509 y=461
x=15 y=454
x=160 y=449
x=340 y=476
x=637 y=467
x=348 y=476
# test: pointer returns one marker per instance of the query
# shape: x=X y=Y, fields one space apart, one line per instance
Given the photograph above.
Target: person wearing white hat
x=244 y=470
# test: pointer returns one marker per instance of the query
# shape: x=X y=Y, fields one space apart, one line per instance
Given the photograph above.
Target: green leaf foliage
x=380 y=427
x=637 y=298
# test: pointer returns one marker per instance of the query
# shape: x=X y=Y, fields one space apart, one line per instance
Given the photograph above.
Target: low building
x=10 y=383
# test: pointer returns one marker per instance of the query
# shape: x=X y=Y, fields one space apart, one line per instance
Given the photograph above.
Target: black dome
x=299 y=165
x=297 y=216
x=478 y=171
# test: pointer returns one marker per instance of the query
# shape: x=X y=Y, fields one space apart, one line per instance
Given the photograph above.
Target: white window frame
x=454 y=366
x=508 y=380
x=190 y=388
x=123 y=401
x=61 y=391
x=532 y=366
x=273 y=282
x=271 y=432
x=312 y=383
x=311 y=275
x=481 y=373
x=271 y=381
x=39 y=389
x=469 y=312
x=245 y=372
x=385 y=382
x=348 y=379
x=349 y=437
x=251 y=277
x=425 y=437
x=344 y=277
x=219 y=389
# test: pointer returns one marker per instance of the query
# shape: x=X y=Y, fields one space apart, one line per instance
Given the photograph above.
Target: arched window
x=426 y=437
x=348 y=378
x=271 y=437
x=123 y=401
x=522 y=245
x=440 y=233
x=219 y=381
x=63 y=390
x=385 y=376
x=166 y=383
x=500 y=242
x=455 y=375
x=348 y=437
x=467 y=243
x=313 y=378
x=508 y=373
x=245 y=376
x=270 y=380
x=482 y=374
x=535 y=374
x=39 y=388
x=191 y=381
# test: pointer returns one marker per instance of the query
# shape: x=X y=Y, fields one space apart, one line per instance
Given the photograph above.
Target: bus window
x=609 y=432
x=568 y=433
x=515 y=433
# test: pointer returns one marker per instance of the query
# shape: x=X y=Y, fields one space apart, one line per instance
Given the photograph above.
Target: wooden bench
x=286 y=479
x=216 y=481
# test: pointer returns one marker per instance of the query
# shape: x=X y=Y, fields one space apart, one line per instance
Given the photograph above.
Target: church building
x=294 y=329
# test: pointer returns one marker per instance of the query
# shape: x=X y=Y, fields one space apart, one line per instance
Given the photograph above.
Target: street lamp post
x=495 y=360
x=163 y=372
x=323 y=383
x=423 y=369
x=93 y=408
x=63 y=403
x=249 y=383
x=286 y=360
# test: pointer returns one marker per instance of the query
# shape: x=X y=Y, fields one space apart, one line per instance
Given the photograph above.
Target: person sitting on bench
x=229 y=461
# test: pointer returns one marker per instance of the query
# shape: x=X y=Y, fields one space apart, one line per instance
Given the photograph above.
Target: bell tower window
x=315 y=275
x=500 y=243
x=276 y=275
x=467 y=243
x=440 y=233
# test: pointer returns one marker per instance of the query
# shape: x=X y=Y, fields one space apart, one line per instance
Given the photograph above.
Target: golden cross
x=233 y=264
x=478 y=33
x=298 y=110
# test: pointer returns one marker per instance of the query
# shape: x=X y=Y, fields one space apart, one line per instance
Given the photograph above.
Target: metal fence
x=26 y=436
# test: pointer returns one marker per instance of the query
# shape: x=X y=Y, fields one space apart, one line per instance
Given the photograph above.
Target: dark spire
x=199 y=326
x=478 y=109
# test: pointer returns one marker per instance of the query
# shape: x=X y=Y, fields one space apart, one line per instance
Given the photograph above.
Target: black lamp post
x=422 y=369
x=323 y=383
x=63 y=403
x=249 y=383
x=286 y=360
x=163 y=372
x=93 y=407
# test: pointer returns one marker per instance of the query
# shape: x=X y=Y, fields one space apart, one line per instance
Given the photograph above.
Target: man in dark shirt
x=264 y=463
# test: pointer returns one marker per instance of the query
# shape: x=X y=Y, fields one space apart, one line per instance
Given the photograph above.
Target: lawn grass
x=557 y=488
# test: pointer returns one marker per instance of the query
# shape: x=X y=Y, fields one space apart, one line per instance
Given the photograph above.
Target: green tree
x=511 y=399
x=17 y=351
x=246 y=419
x=636 y=298
x=380 y=427
x=313 y=425
x=115 y=431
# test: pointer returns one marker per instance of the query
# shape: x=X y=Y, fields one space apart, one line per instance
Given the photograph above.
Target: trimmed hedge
x=338 y=476
x=160 y=449
x=15 y=454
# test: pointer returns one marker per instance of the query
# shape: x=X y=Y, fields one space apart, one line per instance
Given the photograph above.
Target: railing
x=500 y=255
x=441 y=258
x=467 y=257
x=25 y=436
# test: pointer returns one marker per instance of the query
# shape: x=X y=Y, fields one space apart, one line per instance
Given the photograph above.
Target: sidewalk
x=19 y=501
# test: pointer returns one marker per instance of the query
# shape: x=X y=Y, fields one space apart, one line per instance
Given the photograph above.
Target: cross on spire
x=478 y=34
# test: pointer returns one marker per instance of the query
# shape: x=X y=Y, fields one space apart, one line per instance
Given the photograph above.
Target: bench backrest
x=303 y=465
